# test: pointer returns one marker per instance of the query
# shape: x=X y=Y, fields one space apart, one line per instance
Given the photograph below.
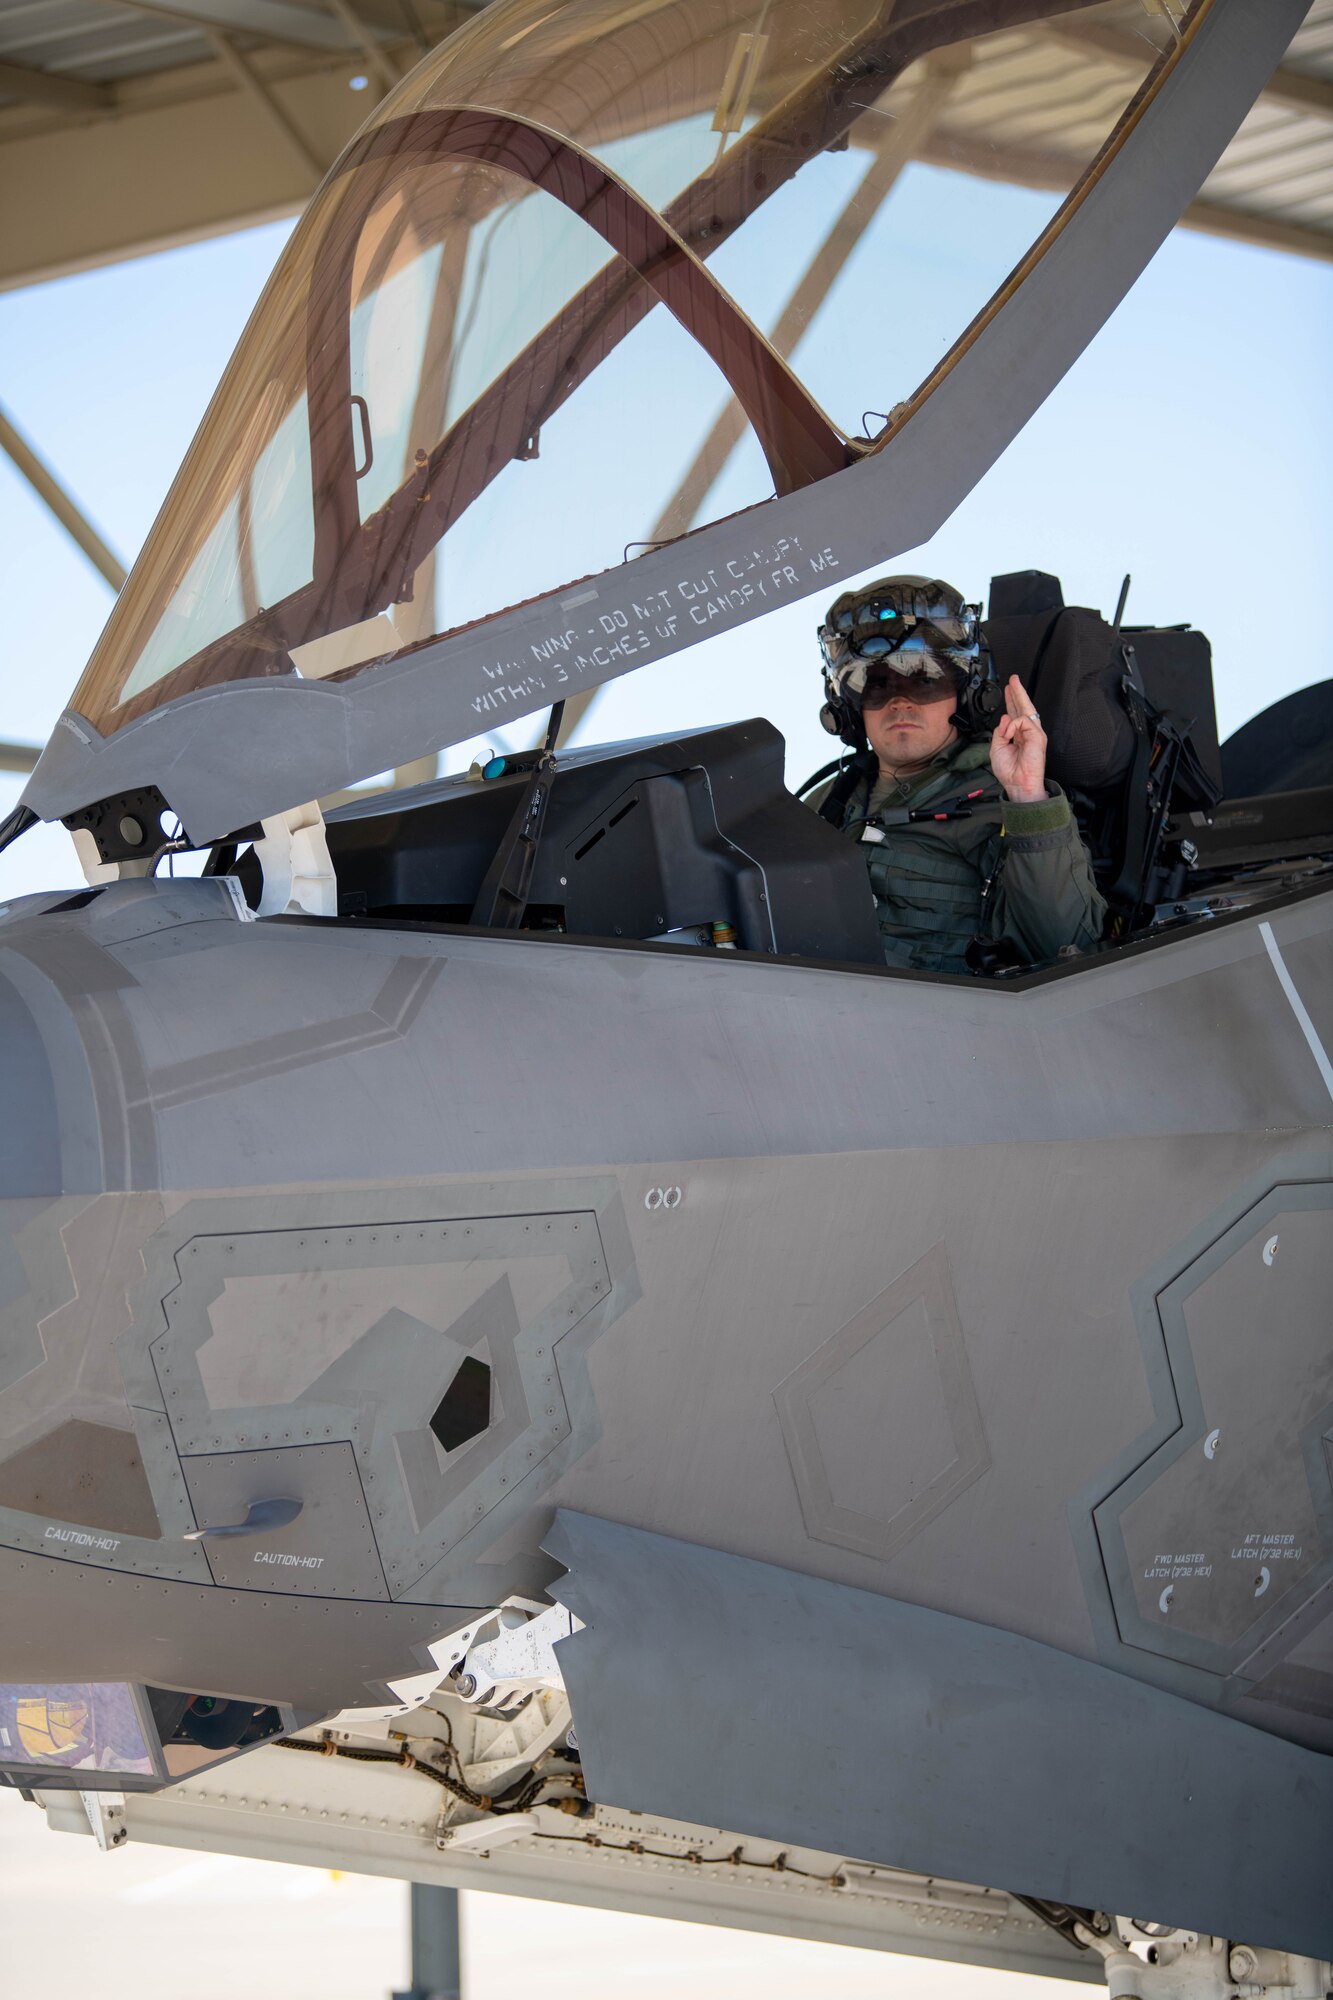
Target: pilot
x=974 y=856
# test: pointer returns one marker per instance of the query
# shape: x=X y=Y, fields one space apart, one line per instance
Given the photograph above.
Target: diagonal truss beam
x=248 y=79
x=1297 y=91
x=48 y=489
x=58 y=93
x=20 y=757
x=1019 y=166
x=905 y=135
x=271 y=20
x=369 y=43
x=1293 y=89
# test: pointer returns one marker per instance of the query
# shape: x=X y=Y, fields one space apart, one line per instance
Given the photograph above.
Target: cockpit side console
x=665 y=838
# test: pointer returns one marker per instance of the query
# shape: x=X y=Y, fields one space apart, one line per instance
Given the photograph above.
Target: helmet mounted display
x=916 y=626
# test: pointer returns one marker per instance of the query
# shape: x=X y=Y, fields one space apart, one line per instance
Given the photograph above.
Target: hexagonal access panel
x=360 y=1334
x=1227 y=1528
x=881 y=1423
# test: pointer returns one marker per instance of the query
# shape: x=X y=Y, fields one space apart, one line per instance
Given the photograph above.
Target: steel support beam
x=903 y=138
x=1293 y=89
x=1027 y=167
x=274 y=20
x=1296 y=91
x=49 y=490
x=59 y=93
x=179 y=155
x=249 y=80
x=369 y=43
x=906 y=135
x=1242 y=225
x=111 y=171
x=186 y=157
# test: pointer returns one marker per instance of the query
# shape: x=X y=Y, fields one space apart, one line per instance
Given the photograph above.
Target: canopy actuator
x=502 y=899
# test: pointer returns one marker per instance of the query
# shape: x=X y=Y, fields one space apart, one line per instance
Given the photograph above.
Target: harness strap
x=1127 y=887
x=840 y=791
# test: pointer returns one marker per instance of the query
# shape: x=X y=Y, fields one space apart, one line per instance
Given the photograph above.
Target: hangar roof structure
x=127 y=127
x=130 y=125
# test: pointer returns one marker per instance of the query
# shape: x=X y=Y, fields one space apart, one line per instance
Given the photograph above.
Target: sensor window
x=465 y=1408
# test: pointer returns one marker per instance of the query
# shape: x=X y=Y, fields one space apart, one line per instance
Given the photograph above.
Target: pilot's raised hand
x=1018 y=747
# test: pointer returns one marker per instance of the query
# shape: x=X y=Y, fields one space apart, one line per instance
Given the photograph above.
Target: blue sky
x=1192 y=445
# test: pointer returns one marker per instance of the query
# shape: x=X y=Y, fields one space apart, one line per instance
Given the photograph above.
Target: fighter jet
x=507 y=1255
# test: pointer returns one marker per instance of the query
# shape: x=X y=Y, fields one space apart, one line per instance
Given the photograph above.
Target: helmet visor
x=920 y=689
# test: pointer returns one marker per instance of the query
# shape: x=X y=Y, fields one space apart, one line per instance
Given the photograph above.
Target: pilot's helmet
x=918 y=626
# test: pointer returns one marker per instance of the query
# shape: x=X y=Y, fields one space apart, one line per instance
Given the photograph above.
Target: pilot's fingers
x=1018 y=702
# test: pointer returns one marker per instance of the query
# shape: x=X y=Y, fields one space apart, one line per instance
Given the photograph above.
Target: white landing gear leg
x=1154 y=1962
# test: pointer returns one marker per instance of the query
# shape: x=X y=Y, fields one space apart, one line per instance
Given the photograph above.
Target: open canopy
x=561 y=299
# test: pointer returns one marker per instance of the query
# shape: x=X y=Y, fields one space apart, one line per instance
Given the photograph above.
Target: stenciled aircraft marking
x=83 y=1539
x=559 y=658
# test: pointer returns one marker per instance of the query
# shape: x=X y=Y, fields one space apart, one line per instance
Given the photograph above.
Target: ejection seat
x=1130 y=727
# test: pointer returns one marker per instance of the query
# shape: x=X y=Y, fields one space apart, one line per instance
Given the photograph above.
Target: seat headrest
x=1071 y=667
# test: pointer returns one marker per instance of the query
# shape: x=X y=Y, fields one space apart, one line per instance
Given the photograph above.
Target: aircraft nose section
x=29 y=1122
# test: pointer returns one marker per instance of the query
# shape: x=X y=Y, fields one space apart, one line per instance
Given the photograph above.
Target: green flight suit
x=997 y=870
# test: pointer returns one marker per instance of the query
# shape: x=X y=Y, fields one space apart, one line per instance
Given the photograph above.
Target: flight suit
x=990 y=868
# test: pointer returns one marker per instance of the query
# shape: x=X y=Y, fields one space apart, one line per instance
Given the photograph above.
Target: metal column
x=436 y=1973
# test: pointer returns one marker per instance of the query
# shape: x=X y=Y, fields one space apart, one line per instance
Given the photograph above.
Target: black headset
x=981 y=699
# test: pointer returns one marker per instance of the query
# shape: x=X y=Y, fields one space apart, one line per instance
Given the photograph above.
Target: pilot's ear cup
x=984 y=705
x=829 y=720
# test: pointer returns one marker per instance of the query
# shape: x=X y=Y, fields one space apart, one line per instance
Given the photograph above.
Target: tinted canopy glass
x=593 y=275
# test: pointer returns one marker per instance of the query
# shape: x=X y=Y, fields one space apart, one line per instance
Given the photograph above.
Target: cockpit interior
x=694 y=840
